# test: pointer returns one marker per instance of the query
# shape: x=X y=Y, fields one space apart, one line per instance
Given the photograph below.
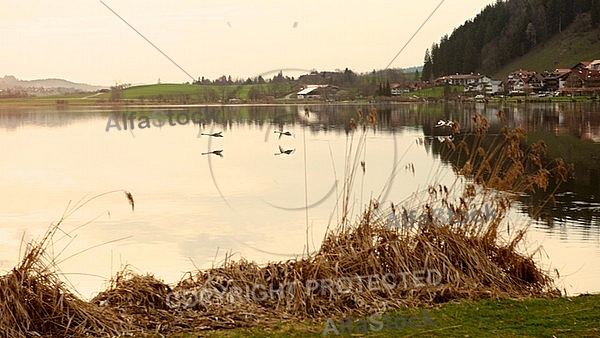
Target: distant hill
x=11 y=82
x=564 y=50
x=413 y=69
x=556 y=32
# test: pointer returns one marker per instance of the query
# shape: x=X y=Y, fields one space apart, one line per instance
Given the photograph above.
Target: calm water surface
x=192 y=208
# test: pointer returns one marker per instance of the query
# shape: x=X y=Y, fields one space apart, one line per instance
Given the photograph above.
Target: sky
x=85 y=41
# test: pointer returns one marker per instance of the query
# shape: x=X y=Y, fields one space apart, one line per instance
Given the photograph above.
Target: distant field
x=435 y=91
x=202 y=93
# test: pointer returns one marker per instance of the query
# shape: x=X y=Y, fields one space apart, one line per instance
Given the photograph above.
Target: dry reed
x=34 y=302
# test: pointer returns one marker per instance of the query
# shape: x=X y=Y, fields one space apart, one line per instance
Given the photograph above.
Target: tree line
x=350 y=83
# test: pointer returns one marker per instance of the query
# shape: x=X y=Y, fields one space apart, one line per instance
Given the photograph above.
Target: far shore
x=66 y=102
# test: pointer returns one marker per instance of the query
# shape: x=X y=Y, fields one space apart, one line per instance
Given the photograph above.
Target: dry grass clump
x=34 y=302
x=147 y=305
x=472 y=265
x=133 y=293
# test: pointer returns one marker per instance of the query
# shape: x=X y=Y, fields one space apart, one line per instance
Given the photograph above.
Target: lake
x=201 y=199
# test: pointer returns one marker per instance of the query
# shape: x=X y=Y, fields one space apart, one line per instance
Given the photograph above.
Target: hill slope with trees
x=508 y=30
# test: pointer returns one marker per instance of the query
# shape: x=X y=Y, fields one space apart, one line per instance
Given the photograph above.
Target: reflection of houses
x=317 y=92
x=590 y=133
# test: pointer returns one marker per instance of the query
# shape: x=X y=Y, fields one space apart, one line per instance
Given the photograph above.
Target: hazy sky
x=83 y=41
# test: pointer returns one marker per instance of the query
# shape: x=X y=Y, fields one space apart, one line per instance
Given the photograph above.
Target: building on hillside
x=478 y=86
x=586 y=78
x=582 y=65
x=317 y=92
x=573 y=80
x=494 y=87
x=472 y=83
x=418 y=85
x=398 y=89
x=524 y=82
x=566 y=91
x=465 y=80
x=556 y=80
x=534 y=83
x=595 y=65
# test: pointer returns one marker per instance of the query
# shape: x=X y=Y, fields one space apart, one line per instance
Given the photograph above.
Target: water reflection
x=571 y=131
x=258 y=166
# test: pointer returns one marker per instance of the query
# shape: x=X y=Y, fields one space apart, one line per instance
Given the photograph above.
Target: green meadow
x=555 y=317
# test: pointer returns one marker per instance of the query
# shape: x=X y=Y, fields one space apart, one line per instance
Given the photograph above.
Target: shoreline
x=62 y=102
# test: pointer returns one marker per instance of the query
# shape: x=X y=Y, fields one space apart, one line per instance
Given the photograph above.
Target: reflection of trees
x=19 y=118
x=560 y=128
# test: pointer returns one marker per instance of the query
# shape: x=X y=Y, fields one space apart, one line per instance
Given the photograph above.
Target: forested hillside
x=505 y=31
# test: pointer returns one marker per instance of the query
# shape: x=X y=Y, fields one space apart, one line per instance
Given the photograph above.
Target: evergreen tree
x=595 y=13
x=435 y=61
x=427 y=67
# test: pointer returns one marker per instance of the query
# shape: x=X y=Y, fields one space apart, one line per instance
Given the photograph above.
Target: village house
x=583 y=79
x=515 y=82
x=478 y=86
x=418 y=85
x=586 y=78
x=582 y=65
x=465 y=80
x=494 y=87
x=524 y=82
x=472 y=83
x=556 y=80
x=595 y=65
x=534 y=83
x=398 y=89
x=317 y=92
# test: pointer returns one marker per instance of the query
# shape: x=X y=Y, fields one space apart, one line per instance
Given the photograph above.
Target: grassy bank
x=533 y=317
